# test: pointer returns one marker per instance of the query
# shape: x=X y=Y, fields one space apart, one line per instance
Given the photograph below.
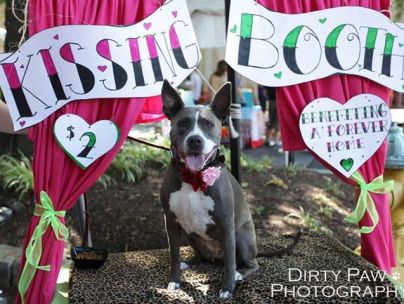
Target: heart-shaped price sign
x=85 y=143
x=345 y=135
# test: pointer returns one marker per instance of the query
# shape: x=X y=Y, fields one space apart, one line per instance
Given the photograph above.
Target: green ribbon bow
x=365 y=201
x=48 y=216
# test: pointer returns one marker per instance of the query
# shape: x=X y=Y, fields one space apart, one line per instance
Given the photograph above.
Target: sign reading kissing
x=276 y=49
x=67 y=63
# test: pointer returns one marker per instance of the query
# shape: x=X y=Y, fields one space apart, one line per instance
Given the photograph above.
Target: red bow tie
x=194 y=178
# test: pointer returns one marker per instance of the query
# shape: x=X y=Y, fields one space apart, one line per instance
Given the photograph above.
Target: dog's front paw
x=173 y=286
x=225 y=294
x=238 y=276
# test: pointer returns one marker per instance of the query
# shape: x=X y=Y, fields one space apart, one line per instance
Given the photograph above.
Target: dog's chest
x=192 y=209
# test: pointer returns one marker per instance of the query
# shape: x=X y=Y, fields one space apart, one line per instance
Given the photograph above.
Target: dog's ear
x=220 y=104
x=172 y=102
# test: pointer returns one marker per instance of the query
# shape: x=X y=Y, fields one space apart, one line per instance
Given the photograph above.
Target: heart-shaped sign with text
x=85 y=143
x=345 y=136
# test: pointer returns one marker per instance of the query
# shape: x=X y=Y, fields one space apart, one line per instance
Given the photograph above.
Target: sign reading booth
x=275 y=49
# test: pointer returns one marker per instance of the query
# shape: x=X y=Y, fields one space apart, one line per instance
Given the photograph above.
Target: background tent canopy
x=208 y=19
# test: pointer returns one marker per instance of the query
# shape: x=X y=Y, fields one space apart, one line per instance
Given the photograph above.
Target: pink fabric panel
x=151 y=111
x=54 y=171
x=377 y=247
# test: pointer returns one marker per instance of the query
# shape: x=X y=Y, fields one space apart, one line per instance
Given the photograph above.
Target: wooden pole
x=234 y=142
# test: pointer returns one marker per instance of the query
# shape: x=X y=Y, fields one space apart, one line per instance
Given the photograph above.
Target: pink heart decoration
x=175 y=13
x=22 y=123
x=147 y=25
x=102 y=68
x=56 y=37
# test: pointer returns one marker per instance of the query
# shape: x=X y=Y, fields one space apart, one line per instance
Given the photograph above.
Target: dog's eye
x=209 y=124
x=183 y=123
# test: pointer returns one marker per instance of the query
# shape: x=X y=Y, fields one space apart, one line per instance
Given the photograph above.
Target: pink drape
x=377 y=247
x=54 y=172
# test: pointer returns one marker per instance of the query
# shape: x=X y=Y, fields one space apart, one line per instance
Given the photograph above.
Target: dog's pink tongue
x=194 y=162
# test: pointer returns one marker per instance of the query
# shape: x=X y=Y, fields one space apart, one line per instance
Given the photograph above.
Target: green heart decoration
x=82 y=142
x=233 y=29
x=323 y=20
x=347 y=164
x=278 y=75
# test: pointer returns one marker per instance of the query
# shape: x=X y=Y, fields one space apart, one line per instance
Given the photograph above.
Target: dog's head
x=195 y=131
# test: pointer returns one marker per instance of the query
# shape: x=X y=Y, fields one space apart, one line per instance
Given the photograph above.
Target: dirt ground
x=129 y=217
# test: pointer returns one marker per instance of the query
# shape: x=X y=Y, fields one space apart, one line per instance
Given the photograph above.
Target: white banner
x=275 y=49
x=67 y=63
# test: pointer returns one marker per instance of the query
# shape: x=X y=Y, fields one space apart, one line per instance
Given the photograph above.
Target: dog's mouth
x=196 y=161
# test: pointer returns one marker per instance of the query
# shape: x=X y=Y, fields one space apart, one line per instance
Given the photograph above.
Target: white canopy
x=209 y=22
x=206 y=6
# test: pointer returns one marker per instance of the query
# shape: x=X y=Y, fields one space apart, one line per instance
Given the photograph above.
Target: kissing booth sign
x=58 y=180
x=67 y=63
x=282 y=43
x=276 y=49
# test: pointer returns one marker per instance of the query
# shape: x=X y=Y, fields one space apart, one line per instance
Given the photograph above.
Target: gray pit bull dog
x=200 y=196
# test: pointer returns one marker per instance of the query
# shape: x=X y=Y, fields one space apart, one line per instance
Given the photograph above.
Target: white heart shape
x=345 y=136
x=85 y=143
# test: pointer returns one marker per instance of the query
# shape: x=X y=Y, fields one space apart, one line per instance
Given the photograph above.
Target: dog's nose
x=195 y=142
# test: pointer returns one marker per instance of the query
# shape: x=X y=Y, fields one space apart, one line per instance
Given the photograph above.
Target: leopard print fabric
x=141 y=277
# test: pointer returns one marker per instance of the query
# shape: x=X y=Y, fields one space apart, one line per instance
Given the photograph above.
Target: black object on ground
x=88 y=257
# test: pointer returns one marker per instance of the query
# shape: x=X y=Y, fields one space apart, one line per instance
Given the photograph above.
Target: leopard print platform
x=141 y=277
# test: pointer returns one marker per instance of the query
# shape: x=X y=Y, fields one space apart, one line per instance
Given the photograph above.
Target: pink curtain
x=377 y=247
x=54 y=172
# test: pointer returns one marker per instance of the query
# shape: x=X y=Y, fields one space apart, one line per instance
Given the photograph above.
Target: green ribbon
x=365 y=201
x=48 y=217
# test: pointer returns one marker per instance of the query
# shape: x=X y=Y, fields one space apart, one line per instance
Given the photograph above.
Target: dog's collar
x=203 y=178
